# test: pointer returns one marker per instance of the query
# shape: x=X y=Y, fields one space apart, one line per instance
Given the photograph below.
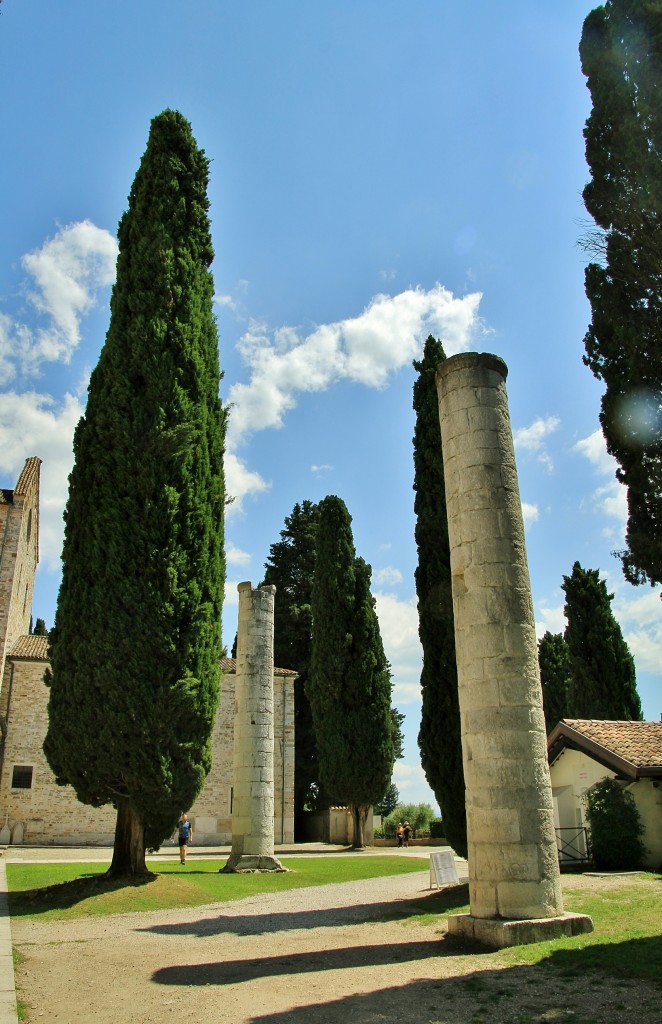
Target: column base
x=499 y=933
x=247 y=862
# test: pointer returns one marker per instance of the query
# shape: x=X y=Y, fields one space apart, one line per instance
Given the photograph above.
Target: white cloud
x=388 y=576
x=412 y=784
x=240 y=482
x=34 y=424
x=235 y=556
x=594 y=449
x=610 y=499
x=67 y=272
x=366 y=349
x=530 y=513
x=640 y=619
x=532 y=439
x=231 y=598
x=398 y=625
x=549 y=618
x=319 y=471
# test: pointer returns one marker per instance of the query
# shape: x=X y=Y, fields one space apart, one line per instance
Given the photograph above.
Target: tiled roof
x=30 y=648
x=35 y=648
x=230 y=665
x=31 y=466
x=6 y=496
x=634 y=748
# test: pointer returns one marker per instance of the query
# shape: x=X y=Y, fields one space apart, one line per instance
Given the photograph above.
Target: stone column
x=513 y=864
x=253 y=776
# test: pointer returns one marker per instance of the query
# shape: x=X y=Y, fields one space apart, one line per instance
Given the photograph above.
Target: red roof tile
x=35 y=648
x=629 y=745
x=30 y=648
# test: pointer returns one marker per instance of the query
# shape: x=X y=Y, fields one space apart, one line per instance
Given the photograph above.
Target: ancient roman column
x=513 y=862
x=253 y=774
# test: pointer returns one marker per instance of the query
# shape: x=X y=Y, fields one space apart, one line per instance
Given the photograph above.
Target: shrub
x=615 y=828
x=437 y=830
x=419 y=817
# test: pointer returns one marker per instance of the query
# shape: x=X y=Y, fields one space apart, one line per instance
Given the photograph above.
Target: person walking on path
x=406 y=833
x=185 y=837
x=400 y=833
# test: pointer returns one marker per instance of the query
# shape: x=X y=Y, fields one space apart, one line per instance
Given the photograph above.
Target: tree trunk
x=129 y=848
x=359 y=815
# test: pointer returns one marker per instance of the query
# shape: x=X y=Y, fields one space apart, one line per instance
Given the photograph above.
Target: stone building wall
x=49 y=813
x=52 y=814
x=19 y=554
x=211 y=812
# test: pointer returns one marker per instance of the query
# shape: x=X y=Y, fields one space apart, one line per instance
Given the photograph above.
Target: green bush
x=419 y=817
x=437 y=830
x=615 y=828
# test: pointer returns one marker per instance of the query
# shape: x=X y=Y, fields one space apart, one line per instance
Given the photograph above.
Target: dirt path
x=329 y=955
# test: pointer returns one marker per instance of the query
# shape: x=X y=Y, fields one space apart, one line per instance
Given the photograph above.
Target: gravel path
x=334 y=954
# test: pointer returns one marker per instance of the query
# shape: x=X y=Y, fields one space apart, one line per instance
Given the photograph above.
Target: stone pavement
x=168 y=852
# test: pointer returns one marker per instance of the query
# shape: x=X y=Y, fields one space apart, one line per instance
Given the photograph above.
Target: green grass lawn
x=66 y=891
x=626 y=941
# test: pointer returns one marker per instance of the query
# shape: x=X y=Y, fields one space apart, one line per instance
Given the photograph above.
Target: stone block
x=499 y=934
x=528 y=899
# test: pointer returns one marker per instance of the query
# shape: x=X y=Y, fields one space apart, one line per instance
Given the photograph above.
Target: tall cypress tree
x=603 y=682
x=555 y=672
x=621 y=55
x=291 y=568
x=349 y=686
x=439 y=736
x=136 y=645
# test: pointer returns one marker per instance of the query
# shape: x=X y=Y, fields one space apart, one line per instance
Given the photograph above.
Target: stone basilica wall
x=46 y=813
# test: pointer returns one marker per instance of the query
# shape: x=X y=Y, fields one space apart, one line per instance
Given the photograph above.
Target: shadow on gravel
x=233 y=972
x=237 y=923
x=526 y=995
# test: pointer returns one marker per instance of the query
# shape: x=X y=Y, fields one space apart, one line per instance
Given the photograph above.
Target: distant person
x=185 y=837
x=400 y=833
x=406 y=833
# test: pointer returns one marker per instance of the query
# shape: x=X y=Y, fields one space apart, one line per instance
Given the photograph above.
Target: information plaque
x=442 y=868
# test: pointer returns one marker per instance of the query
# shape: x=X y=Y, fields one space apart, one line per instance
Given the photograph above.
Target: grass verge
x=66 y=891
x=626 y=942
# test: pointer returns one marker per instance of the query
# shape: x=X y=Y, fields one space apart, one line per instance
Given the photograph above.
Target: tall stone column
x=253 y=775
x=514 y=881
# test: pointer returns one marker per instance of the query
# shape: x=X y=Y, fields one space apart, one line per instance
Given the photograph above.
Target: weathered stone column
x=514 y=880
x=253 y=777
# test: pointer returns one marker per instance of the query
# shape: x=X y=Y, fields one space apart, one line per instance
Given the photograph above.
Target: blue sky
x=379 y=172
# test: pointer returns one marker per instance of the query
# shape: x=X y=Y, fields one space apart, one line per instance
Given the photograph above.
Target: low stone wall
x=412 y=842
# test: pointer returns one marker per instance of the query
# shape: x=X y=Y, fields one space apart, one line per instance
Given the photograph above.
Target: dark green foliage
x=349 y=686
x=39 y=628
x=136 y=644
x=621 y=54
x=615 y=828
x=290 y=568
x=603 y=683
x=554 y=660
x=389 y=801
x=439 y=736
x=397 y=718
x=437 y=829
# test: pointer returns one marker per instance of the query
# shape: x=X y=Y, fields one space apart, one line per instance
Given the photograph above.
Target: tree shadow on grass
x=435 y=903
x=633 y=958
x=64 y=895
